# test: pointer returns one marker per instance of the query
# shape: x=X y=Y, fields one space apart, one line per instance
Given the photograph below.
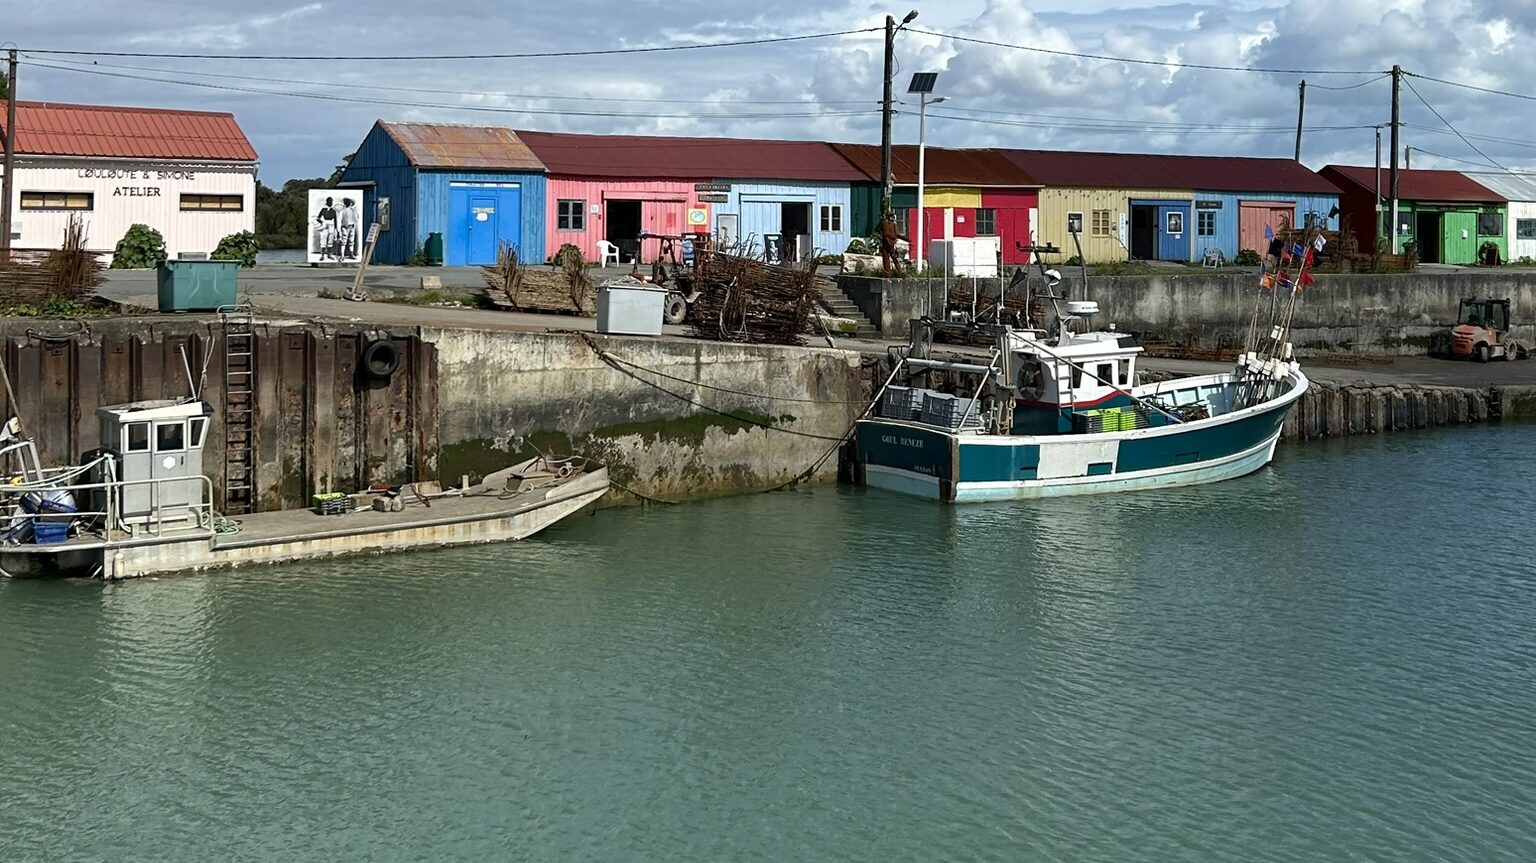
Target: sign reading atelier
x=711 y=187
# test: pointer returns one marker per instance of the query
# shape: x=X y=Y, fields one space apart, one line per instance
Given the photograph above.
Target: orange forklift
x=1481 y=332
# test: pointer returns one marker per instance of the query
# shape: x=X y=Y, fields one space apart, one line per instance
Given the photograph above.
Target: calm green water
x=1296 y=666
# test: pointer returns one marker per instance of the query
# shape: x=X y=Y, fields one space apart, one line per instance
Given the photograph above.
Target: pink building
x=616 y=188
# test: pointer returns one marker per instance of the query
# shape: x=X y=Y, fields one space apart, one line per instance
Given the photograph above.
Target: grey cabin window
x=571 y=216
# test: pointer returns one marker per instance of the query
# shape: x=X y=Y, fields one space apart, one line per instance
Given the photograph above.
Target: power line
x=1448 y=125
x=86 y=65
x=1167 y=64
x=1463 y=161
x=1351 y=86
x=1492 y=139
x=488 y=109
x=530 y=55
x=1471 y=87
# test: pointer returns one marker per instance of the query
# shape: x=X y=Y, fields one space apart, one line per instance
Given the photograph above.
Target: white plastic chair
x=607 y=251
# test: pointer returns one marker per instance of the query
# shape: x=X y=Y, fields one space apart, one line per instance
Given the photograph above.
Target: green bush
x=240 y=247
x=1074 y=261
x=139 y=249
x=862 y=246
x=419 y=259
x=567 y=249
x=1247 y=258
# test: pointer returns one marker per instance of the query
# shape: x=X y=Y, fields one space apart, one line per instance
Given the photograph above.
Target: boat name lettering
x=914 y=442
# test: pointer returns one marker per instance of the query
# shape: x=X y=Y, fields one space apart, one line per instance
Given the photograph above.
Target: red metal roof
x=446 y=145
x=54 y=129
x=637 y=156
x=1155 y=171
x=945 y=166
x=1417 y=185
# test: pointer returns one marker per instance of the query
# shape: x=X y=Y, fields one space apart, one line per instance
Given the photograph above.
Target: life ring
x=381 y=359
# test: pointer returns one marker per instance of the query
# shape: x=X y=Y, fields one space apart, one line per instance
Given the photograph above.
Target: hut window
x=170 y=437
x=901 y=222
x=58 y=201
x=213 y=202
x=832 y=218
x=138 y=437
x=1101 y=223
x=571 y=216
x=1490 y=224
x=986 y=223
x=1205 y=223
x=1525 y=229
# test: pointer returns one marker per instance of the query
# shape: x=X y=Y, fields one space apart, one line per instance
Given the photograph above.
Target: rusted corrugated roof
x=944 y=166
x=448 y=145
x=103 y=131
x=1156 y=171
x=680 y=158
x=1417 y=185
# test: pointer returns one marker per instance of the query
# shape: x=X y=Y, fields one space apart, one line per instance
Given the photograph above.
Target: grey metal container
x=630 y=310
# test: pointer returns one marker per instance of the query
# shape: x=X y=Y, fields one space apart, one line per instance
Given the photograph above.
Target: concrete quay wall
x=671 y=418
x=1355 y=313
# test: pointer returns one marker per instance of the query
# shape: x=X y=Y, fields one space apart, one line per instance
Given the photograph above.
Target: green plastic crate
x=196 y=286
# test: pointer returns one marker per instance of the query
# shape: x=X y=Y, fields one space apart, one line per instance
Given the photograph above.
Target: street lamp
x=922 y=85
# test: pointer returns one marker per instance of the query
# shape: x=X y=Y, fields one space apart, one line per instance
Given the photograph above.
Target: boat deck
x=288 y=535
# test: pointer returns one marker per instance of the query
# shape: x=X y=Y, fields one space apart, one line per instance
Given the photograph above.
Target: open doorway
x=794 y=224
x=1144 y=229
x=1426 y=232
x=622 y=228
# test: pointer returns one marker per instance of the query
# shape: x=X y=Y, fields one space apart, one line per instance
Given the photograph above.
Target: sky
x=826 y=89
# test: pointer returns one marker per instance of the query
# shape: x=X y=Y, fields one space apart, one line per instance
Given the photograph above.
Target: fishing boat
x=141 y=505
x=1040 y=412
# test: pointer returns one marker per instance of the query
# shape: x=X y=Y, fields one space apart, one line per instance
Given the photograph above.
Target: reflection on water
x=1299 y=665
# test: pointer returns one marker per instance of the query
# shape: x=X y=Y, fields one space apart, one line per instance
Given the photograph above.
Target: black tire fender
x=381 y=359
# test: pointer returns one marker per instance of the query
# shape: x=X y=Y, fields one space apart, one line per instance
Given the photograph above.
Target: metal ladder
x=239 y=405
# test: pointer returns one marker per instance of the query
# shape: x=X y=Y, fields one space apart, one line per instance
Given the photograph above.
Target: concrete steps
x=840 y=305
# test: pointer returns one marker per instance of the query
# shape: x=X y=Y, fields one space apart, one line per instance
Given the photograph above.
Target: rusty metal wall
x=319 y=424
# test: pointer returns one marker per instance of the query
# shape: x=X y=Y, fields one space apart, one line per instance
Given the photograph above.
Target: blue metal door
x=480 y=219
x=1174 y=232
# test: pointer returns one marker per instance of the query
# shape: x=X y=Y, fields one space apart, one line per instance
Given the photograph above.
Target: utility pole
x=1301 y=113
x=1407 y=158
x=1397 y=84
x=1378 y=181
x=7 y=189
x=885 y=118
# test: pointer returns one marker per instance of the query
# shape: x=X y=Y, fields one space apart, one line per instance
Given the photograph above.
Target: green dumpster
x=196 y=286
x=435 y=249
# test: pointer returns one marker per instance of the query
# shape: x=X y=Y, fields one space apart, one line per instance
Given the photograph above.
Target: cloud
x=825 y=89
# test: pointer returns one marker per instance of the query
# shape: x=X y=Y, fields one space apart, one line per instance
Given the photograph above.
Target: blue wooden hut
x=476 y=186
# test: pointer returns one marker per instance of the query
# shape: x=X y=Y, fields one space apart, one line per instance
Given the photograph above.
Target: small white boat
x=1040 y=415
x=143 y=506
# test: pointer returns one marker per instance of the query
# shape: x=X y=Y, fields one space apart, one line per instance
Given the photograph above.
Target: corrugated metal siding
x=670 y=197
x=1228 y=237
x=1014 y=220
x=951 y=196
x=1518 y=247
x=757 y=221
x=432 y=189
x=379 y=160
x=865 y=208
x=119 y=203
x=1055 y=203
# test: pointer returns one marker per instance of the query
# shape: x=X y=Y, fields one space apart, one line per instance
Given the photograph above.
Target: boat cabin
x=158 y=447
x=1083 y=375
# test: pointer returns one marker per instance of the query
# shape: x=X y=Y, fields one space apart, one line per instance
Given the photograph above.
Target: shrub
x=1074 y=261
x=141 y=248
x=240 y=247
x=862 y=246
x=570 y=250
x=1247 y=258
x=419 y=259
